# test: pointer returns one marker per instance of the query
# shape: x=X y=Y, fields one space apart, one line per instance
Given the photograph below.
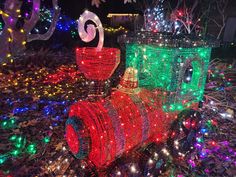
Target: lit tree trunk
x=8 y=37
x=13 y=40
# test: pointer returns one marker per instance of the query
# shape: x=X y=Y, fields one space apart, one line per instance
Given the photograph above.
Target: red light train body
x=103 y=130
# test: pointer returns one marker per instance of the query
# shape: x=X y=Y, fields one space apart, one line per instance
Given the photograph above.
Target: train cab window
x=188 y=74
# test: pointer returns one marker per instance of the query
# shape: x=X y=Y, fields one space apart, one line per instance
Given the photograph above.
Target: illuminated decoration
x=115 y=30
x=44 y=84
x=155 y=19
x=129 y=82
x=8 y=124
x=1 y=26
x=67 y=24
x=19 y=147
x=129 y=121
x=185 y=21
x=13 y=38
x=164 y=66
x=181 y=20
x=160 y=81
x=96 y=63
x=110 y=15
x=183 y=132
x=90 y=33
x=64 y=23
x=40 y=110
x=118 y=19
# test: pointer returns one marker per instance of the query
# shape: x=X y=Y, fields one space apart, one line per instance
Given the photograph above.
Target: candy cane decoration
x=89 y=34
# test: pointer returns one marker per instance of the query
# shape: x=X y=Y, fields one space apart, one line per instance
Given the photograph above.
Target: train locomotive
x=156 y=99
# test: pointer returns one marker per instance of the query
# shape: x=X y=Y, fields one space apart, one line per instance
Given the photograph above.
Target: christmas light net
x=180 y=73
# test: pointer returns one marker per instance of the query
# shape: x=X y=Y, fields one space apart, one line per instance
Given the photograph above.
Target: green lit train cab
x=177 y=66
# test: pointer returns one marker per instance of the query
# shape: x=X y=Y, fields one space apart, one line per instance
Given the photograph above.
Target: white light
x=164 y=150
x=133 y=169
x=223 y=115
x=176 y=142
x=188 y=78
x=118 y=173
x=150 y=161
x=155 y=154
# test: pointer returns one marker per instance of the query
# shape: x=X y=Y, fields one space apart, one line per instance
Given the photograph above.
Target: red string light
x=72 y=139
x=118 y=124
x=97 y=65
x=63 y=73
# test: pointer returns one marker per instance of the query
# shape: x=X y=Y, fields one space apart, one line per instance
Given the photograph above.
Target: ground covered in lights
x=34 y=103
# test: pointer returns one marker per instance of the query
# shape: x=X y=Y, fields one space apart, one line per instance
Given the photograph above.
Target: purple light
x=203 y=154
x=180 y=175
x=26 y=14
x=192 y=163
x=197 y=145
x=225 y=143
x=227 y=158
x=207 y=170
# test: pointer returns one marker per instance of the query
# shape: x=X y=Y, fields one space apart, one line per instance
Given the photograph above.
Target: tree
x=221 y=7
x=14 y=35
x=155 y=17
x=185 y=18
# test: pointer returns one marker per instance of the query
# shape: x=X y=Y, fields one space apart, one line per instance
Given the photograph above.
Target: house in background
x=132 y=21
x=230 y=30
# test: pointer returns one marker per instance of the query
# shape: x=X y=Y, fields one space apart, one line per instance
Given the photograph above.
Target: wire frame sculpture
x=97 y=65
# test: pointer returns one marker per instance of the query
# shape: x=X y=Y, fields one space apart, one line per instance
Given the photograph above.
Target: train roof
x=167 y=40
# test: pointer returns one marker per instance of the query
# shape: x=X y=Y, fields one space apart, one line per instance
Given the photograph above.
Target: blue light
x=204 y=130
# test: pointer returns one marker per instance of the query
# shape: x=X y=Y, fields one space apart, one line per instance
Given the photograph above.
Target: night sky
x=74 y=8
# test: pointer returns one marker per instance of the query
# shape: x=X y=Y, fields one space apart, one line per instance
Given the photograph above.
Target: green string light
x=1 y=26
x=8 y=124
x=31 y=148
x=15 y=153
x=163 y=68
x=46 y=139
x=3 y=158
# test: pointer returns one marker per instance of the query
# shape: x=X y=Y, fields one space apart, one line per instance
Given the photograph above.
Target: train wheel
x=183 y=133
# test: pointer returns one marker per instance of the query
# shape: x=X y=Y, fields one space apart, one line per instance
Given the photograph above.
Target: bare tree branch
x=213 y=20
x=194 y=6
